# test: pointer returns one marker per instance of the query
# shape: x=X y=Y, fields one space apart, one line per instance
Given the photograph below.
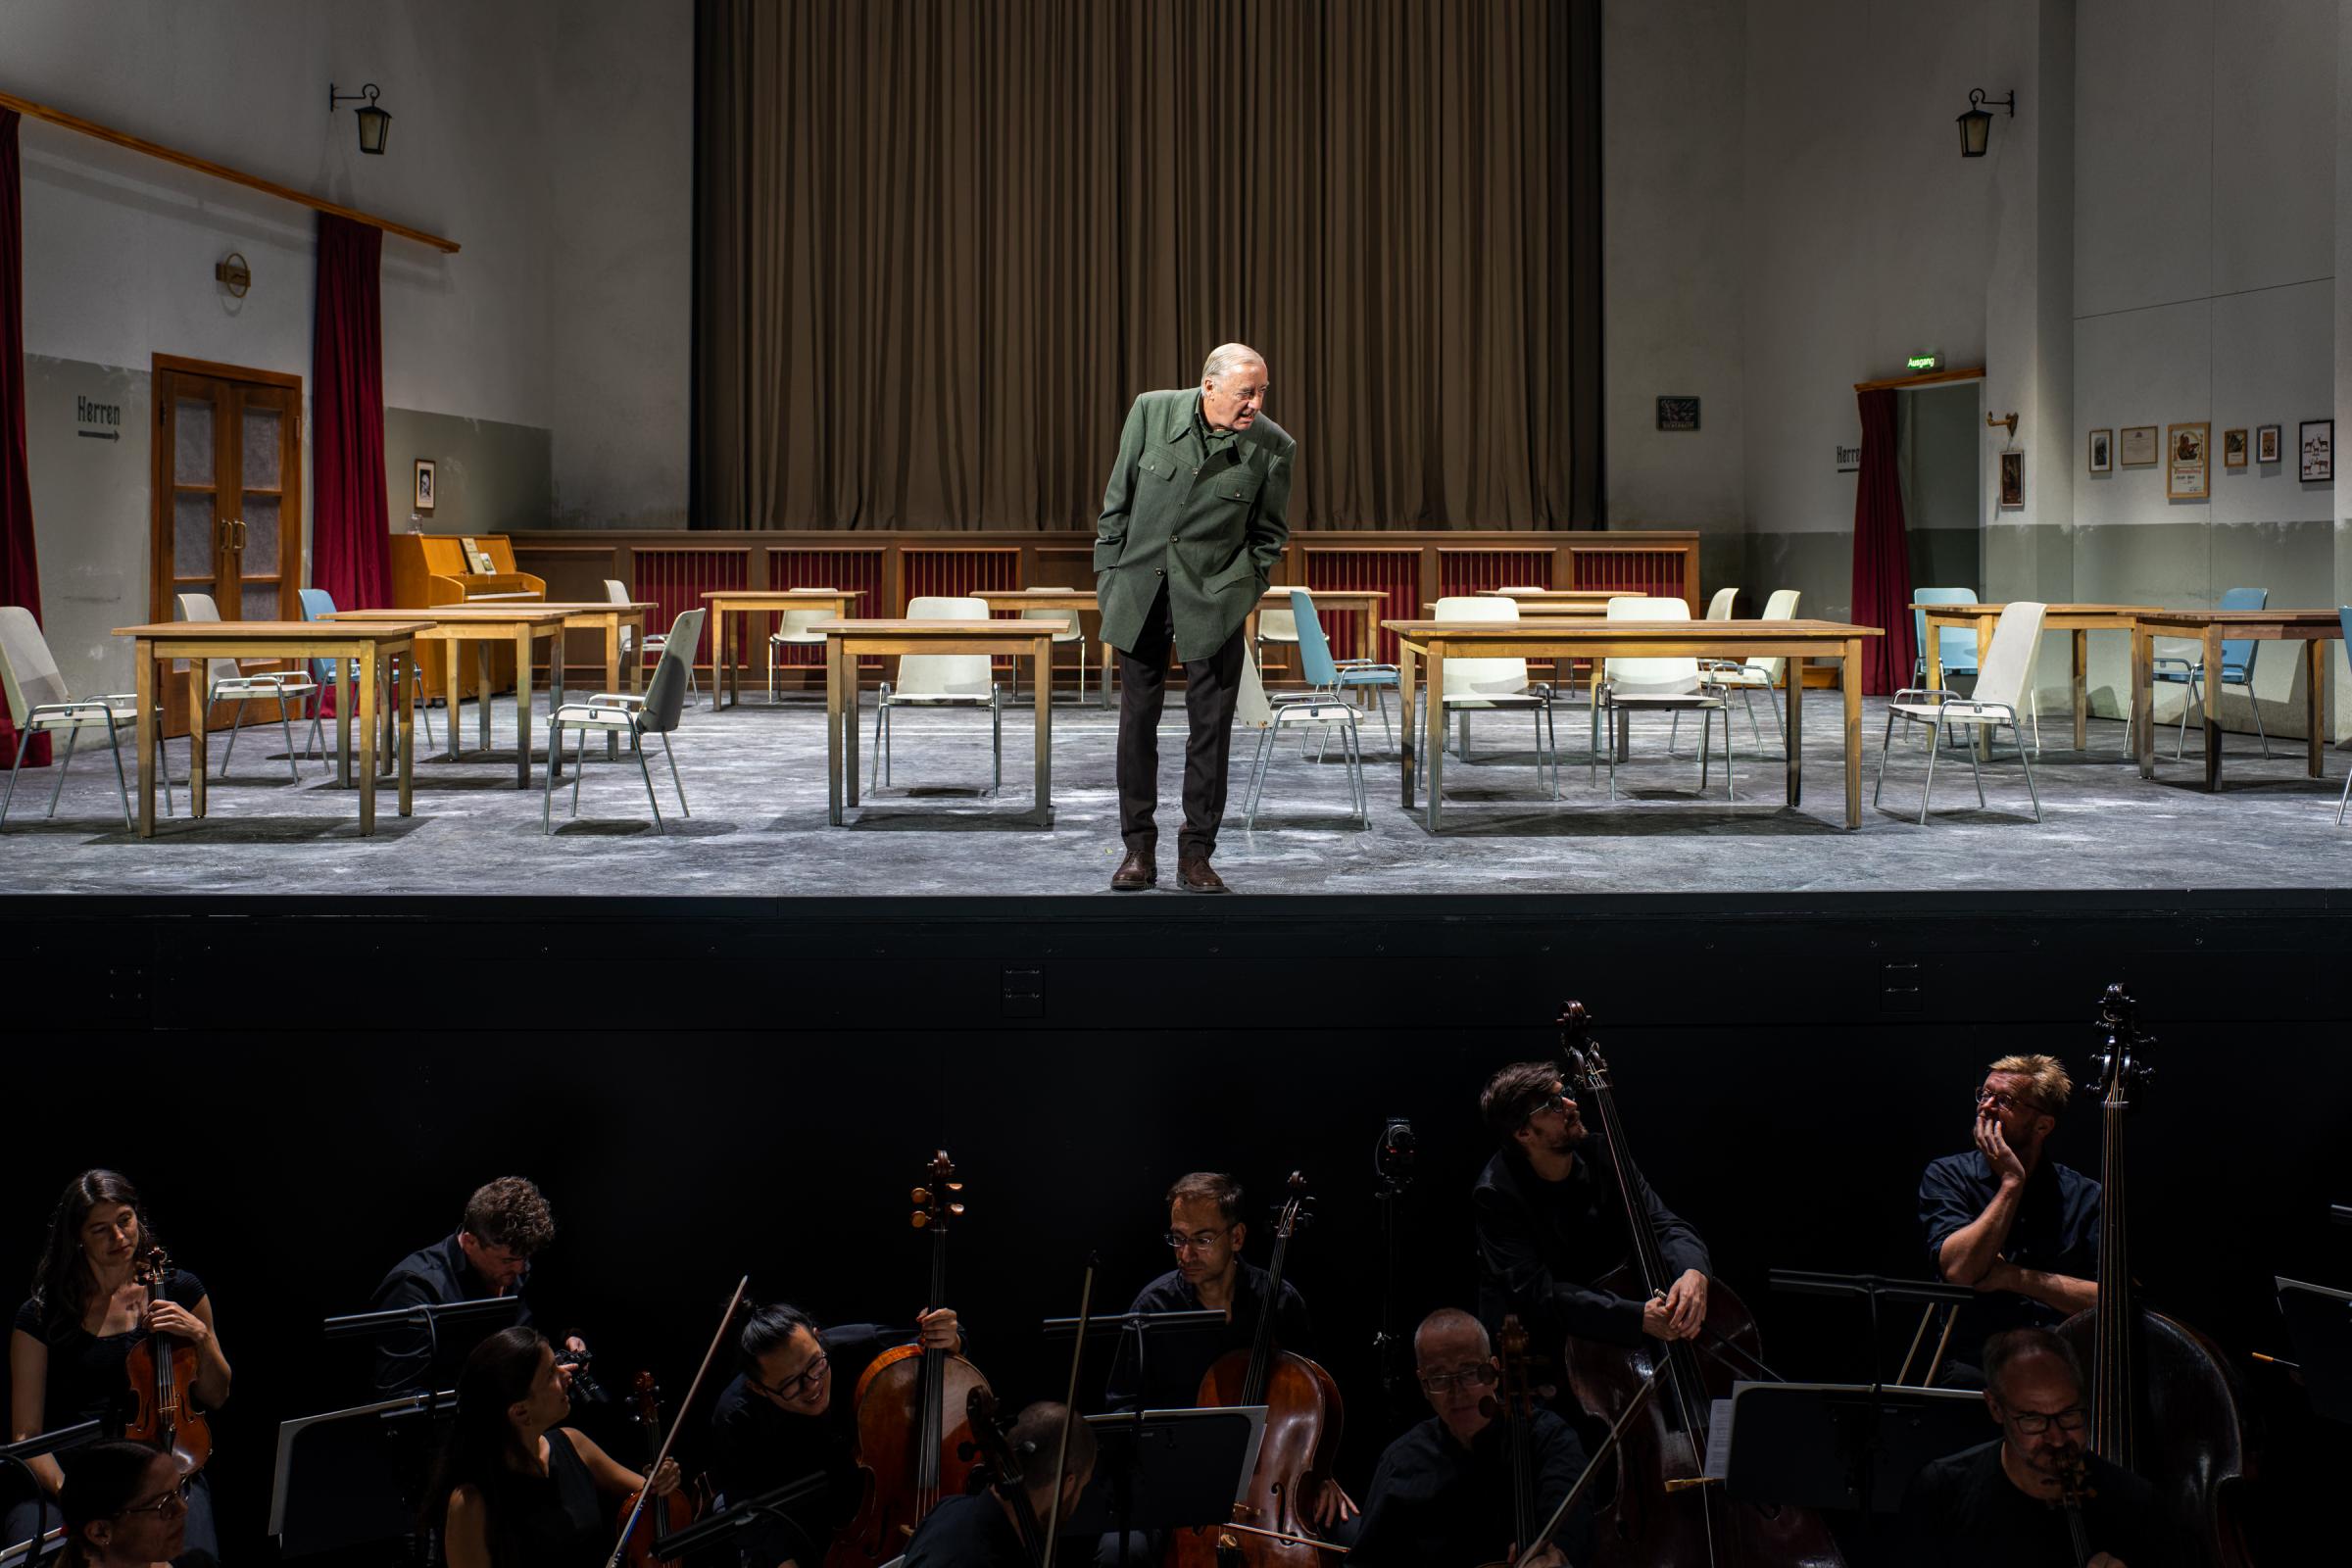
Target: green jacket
x=1212 y=532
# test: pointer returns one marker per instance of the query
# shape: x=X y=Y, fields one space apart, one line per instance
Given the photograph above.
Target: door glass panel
x=192 y=535
x=261 y=601
x=260 y=558
x=261 y=428
x=192 y=441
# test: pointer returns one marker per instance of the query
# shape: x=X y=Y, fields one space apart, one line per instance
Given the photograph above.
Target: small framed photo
x=2102 y=451
x=2013 y=479
x=2233 y=449
x=1678 y=413
x=2265 y=443
x=424 y=484
x=2187 y=461
x=2316 y=443
x=2139 y=449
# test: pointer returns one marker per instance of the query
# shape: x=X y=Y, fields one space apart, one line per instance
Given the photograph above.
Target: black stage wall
x=307 y=1090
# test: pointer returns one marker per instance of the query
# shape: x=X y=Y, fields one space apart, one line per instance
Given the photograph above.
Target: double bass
x=1665 y=1512
x=1273 y=1524
x=2163 y=1401
x=162 y=1368
x=914 y=1437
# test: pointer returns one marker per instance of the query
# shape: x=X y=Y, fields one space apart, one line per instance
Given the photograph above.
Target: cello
x=2163 y=1401
x=161 y=1369
x=1000 y=1469
x=1272 y=1526
x=914 y=1437
x=1665 y=1512
x=1517 y=1397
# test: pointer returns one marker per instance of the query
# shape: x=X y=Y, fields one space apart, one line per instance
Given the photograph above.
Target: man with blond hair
x=2021 y=1228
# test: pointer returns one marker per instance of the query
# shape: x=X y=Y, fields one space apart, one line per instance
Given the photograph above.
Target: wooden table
x=1563 y=600
x=1365 y=602
x=2315 y=628
x=2080 y=619
x=846 y=641
x=1435 y=641
x=723 y=602
x=1020 y=599
x=521 y=624
x=364 y=648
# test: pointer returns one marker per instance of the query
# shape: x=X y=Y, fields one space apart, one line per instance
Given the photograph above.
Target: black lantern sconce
x=1976 y=127
x=374 y=123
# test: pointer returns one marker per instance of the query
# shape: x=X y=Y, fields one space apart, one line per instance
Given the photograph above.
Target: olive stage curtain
x=941 y=246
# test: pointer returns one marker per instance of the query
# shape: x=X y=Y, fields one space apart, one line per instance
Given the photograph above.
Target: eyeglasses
x=2032 y=1423
x=1469 y=1377
x=2002 y=1101
x=177 y=1500
x=1198 y=1241
x=800 y=1383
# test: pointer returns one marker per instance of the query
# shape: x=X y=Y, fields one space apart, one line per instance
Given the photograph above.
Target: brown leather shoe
x=1194 y=874
x=1135 y=873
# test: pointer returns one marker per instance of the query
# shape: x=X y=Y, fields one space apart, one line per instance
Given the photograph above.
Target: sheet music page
x=1718 y=1462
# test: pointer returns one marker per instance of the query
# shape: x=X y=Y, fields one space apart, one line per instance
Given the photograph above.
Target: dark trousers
x=1211 y=686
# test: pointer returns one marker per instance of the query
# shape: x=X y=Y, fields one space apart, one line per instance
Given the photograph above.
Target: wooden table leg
x=143 y=650
x=2212 y=682
x=387 y=756
x=344 y=695
x=611 y=677
x=1850 y=681
x=523 y=703
x=1044 y=784
x=833 y=731
x=1406 y=660
x=404 y=698
x=1434 y=735
x=1794 y=670
x=1367 y=634
x=2315 y=653
x=2082 y=690
x=366 y=717
x=1935 y=654
x=2144 y=698
x=848 y=723
x=481 y=692
x=722 y=679
x=200 y=716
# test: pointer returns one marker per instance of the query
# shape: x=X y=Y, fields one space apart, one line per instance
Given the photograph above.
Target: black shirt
x=969 y=1532
x=1964 y=1513
x=438 y=1274
x=1541 y=1245
x=555 y=1521
x=1175 y=1361
x=758 y=1447
x=1437 y=1504
x=2056 y=1231
x=85 y=1380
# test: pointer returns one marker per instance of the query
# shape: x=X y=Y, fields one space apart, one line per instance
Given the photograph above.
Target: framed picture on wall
x=1678 y=413
x=426 y=486
x=2013 y=479
x=2187 y=461
x=2317 y=445
x=2102 y=451
x=2138 y=448
x=2265 y=443
x=2233 y=449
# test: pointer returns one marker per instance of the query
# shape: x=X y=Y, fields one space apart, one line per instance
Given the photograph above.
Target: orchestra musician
x=505 y=1224
x=1550 y=1222
x=1442 y=1493
x=2004 y=1502
x=515 y=1488
x=74 y=1338
x=2023 y=1229
x=126 y=1505
x=982 y=1529
x=790 y=1412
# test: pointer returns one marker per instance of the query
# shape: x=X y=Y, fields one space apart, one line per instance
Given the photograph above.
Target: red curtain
x=1882 y=553
x=351 y=553
x=20 y=570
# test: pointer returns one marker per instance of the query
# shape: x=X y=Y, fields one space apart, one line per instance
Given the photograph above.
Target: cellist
x=87 y=1313
x=983 y=1528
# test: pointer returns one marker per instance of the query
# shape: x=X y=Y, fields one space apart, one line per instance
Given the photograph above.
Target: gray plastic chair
x=38 y=704
x=225 y=681
x=655 y=711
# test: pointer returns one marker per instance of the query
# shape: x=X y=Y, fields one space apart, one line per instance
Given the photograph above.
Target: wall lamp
x=376 y=123
x=1976 y=127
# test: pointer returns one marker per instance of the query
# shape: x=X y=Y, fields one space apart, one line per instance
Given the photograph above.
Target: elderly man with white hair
x=1193 y=520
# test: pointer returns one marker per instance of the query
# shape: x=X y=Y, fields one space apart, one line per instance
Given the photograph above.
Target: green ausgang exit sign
x=1924 y=362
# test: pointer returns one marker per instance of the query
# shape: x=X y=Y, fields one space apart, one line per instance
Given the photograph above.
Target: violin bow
x=1069 y=1410
x=620 y=1547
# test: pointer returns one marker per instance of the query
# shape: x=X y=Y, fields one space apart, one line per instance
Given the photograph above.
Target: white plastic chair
x=1627 y=685
x=1275 y=625
x=1070 y=633
x=38 y=704
x=617 y=592
x=2001 y=687
x=1750 y=676
x=1473 y=684
x=792 y=631
x=225 y=681
x=1719 y=607
x=1255 y=709
x=941 y=680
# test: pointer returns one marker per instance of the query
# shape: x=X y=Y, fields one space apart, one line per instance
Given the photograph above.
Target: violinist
x=2021 y=1228
x=1443 y=1491
x=74 y=1337
x=515 y=1488
x=1550 y=1222
x=790 y=1412
x=505 y=1224
x=984 y=1530
x=2007 y=1500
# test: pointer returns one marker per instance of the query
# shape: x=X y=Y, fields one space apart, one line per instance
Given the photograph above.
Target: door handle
x=239 y=525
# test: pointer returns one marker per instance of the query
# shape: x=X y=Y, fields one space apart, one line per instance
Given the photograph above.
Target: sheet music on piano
x=1718 y=1462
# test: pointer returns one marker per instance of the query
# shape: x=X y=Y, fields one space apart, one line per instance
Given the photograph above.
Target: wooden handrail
x=205 y=166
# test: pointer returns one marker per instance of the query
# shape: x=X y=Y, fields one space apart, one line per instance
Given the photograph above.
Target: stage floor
x=754 y=777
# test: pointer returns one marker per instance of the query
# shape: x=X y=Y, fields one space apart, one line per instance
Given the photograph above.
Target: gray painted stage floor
x=755 y=778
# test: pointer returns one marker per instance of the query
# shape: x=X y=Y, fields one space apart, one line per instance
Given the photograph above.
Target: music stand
x=1872 y=1289
x=737 y=1516
x=2318 y=1320
x=1169 y=1469
x=483 y=1314
x=345 y=1478
x=45 y=1543
x=1142 y=1325
x=1842 y=1445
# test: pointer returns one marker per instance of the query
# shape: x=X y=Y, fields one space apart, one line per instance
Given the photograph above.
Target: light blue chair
x=317 y=604
x=2237 y=669
x=1958 y=647
x=1335 y=678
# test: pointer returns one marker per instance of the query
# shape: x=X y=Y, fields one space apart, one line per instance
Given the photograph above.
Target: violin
x=1666 y=1514
x=914 y=1438
x=2163 y=1401
x=2074 y=1490
x=1272 y=1524
x=645 y=1519
x=1001 y=1468
x=162 y=1368
x=1515 y=1403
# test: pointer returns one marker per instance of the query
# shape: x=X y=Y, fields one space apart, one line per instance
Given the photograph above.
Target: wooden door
x=227 y=513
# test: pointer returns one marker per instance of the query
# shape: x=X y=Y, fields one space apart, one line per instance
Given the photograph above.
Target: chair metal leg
x=287 y=725
x=25 y=739
x=1755 y=730
x=547 y=790
x=1706 y=729
x=1674 y=733
x=580 y=755
x=995 y=721
x=1552 y=744
x=1379 y=696
x=58 y=788
x=2258 y=729
x=1593 y=709
x=1356 y=770
x=653 y=799
x=2342 y=802
x=873 y=769
x=1978 y=767
x=2193 y=700
x=113 y=743
x=315 y=742
x=1258 y=775
x=1926 y=791
x=1885 y=742
x=163 y=764
x=674 y=775
x=236 y=722
x=2024 y=763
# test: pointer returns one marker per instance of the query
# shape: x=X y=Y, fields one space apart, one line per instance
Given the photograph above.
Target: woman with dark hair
x=86 y=1313
x=126 y=1506
x=515 y=1488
